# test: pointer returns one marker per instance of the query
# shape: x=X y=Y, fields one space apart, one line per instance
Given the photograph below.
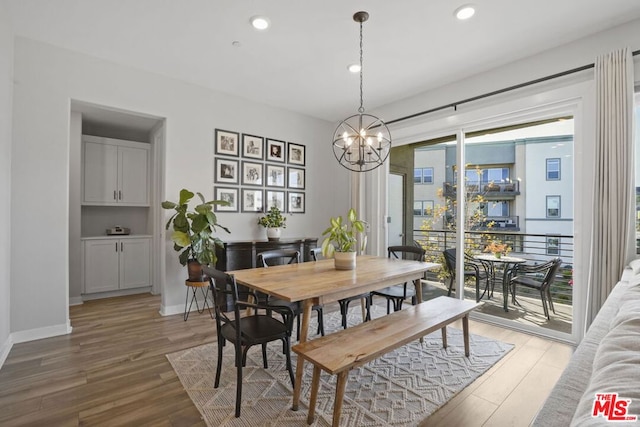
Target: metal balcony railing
x=489 y=189
x=535 y=248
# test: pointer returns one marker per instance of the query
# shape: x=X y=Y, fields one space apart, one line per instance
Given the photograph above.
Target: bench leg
x=444 y=337
x=337 y=405
x=306 y=315
x=315 y=383
x=465 y=332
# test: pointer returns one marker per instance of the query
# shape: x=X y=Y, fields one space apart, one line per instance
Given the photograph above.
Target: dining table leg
x=307 y=305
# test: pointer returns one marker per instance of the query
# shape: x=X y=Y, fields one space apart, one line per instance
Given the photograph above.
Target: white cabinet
x=111 y=264
x=114 y=172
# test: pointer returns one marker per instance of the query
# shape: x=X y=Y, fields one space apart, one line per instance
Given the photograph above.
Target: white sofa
x=606 y=361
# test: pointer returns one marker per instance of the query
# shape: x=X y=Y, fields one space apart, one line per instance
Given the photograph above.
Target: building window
x=423 y=208
x=553 y=245
x=553 y=169
x=495 y=208
x=553 y=206
x=423 y=176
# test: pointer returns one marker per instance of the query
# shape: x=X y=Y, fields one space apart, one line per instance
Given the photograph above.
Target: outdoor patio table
x=507 y=261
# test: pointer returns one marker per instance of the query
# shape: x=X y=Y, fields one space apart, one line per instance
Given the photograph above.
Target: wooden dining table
x=313 y=283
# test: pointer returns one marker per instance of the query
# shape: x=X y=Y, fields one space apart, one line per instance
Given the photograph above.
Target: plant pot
x=344 y=260
x=194 y=269
x=273 y=233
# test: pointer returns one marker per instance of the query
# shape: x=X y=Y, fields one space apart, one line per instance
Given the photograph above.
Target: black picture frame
x=252 y=173
x=226 y=171
x=252 y=200
x=296 y=178
x=229 y=194
x=275 y=151
x=252 y=146
x=274 y=176
x=295 y=202
x=227 y=142
x=274 y=198
x=296 y=154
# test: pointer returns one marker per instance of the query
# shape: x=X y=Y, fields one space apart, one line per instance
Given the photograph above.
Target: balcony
x=488 y=189
x=534 y=249
x=502 y=224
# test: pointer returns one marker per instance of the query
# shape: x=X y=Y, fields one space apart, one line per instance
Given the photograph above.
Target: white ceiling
x=300 y=63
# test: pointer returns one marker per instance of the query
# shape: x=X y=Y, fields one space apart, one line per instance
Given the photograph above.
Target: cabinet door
x=101 y=265
x=133 y=176
x=100 y=173
x=135 y=263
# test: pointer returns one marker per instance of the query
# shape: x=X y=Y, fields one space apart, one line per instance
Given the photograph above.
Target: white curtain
x=613 y=235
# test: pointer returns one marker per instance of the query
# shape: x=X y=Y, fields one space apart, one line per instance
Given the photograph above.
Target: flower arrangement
x=273 y=219
x=497 y=249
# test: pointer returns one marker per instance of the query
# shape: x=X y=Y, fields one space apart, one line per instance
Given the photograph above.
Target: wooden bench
x=342 y=351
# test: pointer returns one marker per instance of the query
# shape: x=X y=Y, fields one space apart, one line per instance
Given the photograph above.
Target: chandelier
x=361 y=142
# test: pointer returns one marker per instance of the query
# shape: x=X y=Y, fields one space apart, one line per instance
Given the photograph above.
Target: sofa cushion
x=616 y=366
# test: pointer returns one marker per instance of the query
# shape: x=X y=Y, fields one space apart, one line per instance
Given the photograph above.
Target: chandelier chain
x=361 y=109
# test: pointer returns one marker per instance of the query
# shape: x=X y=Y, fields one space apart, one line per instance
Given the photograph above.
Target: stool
x=204 y=290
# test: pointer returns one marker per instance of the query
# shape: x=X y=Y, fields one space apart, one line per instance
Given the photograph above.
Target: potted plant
x=274 y=222
x=193 y=232
x=342 y=239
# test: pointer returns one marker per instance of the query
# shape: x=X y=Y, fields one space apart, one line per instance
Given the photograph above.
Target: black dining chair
x=472 y=268
x=396 y=294
x=287 y=256
x=316 y=254
x=539 y=277
x=245 y=331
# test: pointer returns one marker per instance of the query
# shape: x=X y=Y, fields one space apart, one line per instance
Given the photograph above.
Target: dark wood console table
x=244 y=254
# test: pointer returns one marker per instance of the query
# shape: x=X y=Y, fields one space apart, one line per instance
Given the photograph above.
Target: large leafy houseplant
x=273 y=219
x=193 y=230
x=342 y=236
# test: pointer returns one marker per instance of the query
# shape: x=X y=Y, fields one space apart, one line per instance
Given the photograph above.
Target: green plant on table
x=273 y=219
x=342 y=236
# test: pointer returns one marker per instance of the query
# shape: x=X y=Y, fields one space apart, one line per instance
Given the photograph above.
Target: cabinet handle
x=114 y=195
x=120 y=194
x=121 y=246
x=116 y=246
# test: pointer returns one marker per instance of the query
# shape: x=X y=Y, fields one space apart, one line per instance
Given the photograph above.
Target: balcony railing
x=488 y=189
x=532 y=247
x=503 y=224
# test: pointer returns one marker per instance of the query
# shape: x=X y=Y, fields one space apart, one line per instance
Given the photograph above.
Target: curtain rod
x=454 y=105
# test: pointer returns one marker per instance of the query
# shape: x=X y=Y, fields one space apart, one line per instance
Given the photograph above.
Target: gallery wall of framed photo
x=254 y=173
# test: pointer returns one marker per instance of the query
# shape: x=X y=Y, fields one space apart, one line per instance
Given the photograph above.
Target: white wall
x=6 y=90
x=48 y=79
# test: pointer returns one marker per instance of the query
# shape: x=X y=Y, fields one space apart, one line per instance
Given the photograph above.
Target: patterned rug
x=401 y=388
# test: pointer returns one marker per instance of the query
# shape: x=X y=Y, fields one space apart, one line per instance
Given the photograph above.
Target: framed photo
x=251 y=200
x=295 y=178
x=295 y=202
x=252 y=146
x=275 y=176
x=274 y=198
x=252 y=173
x=226 y=171
x=296 y=155
x=275 y=150
x=228 y=194
x=227 y=142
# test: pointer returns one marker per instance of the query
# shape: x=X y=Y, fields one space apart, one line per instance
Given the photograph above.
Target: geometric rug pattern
x=401 y=388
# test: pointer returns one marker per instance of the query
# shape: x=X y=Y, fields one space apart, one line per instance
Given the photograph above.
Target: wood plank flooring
x=112 y=370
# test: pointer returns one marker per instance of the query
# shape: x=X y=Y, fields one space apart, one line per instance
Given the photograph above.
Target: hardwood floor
x=112 y=370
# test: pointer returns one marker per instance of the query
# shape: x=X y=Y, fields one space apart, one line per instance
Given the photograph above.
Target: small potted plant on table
x=274 y=222
x=342 y=239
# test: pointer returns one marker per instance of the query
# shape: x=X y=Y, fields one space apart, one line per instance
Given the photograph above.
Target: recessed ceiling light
x=354 y=68
x=465 y=12
x=260 y=22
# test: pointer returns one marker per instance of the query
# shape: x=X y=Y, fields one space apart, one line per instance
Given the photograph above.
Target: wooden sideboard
x=244 y=254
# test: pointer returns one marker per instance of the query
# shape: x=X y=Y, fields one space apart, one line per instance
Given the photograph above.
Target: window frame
x=547 y=208
x=557 y=160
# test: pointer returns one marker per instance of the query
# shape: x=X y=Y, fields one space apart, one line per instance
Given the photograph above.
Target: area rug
x=401 y=388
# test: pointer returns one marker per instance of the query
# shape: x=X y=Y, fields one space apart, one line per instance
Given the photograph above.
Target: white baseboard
x=76 y=301
x=171 y=310
x=5 y=349
x=118 y=293
x=40 y=333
